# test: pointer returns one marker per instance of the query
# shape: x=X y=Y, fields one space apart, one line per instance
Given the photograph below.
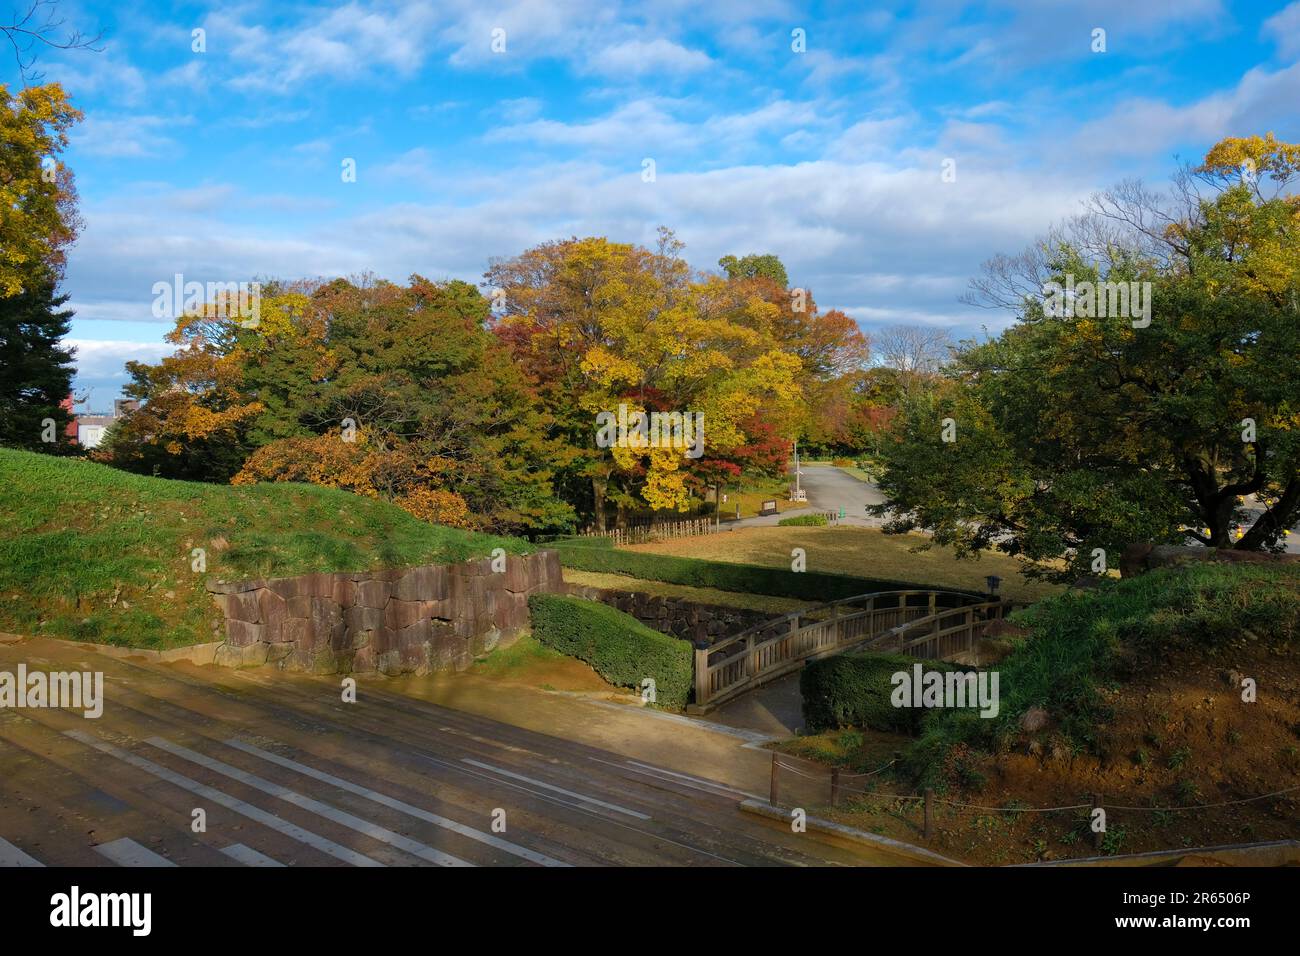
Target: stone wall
x=688 y=620
x=410 y=620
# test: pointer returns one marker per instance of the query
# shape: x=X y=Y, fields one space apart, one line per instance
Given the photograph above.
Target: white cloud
x=635 y=58
x=1143 y=127
x=1284 y=28
x=345 y=42
x=894 y=243
x=121 y=137
x=667 y=129
x=101 y=367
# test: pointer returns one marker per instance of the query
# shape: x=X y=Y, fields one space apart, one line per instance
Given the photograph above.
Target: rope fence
x=839 y=787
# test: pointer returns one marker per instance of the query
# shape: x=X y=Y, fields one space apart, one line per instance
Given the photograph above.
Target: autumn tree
x=598 y=324
x=386 y=390
x=38 y=197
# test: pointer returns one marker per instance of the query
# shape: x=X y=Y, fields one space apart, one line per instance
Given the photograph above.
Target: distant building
x=88 y=430
x=91 y=428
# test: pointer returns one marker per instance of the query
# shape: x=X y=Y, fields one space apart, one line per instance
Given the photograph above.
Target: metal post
x=796 y=469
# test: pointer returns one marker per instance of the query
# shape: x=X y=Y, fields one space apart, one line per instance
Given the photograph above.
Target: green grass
x=518 y=658
x=751 y=494
x=861 y=553
x=858 y=552
x=76 y=534
x=595 y=554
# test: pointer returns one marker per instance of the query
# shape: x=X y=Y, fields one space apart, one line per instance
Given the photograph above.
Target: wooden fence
x=658 y=531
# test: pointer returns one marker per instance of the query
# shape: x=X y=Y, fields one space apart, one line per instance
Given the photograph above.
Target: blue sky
x=225 y=165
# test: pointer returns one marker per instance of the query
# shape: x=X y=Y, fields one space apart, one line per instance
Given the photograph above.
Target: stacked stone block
x=411 y=620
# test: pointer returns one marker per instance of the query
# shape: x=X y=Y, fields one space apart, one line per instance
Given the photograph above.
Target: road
x=829 y=489
x=290 y=775
x=832 y=489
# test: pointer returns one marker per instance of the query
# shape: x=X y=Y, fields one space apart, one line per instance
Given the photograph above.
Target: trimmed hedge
x=726 y=576
x=854 y=691
x=803 y=521
x=618 y=647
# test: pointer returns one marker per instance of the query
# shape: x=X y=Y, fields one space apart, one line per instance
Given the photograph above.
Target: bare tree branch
x=40 y=28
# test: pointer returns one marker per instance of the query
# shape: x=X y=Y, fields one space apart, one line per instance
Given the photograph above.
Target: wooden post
x=774 y=796
x=835 y=786
x=929 y=813
x=1097 y=835
x=701 y=676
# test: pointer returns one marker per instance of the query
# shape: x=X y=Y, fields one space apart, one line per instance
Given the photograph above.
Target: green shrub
x=804 y=521
x=618 y=647
x=724 y=575
x=854 y=690
x=573 y=540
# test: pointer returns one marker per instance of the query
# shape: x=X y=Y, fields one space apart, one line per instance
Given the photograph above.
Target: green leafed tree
x=1072 y=435
x=755 y=267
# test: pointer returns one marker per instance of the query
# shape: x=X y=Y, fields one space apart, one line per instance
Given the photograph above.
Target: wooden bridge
x=922 y=624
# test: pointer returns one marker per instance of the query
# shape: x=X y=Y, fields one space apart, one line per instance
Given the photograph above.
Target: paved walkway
x=775 y=709
x=288 y=774
x=829 y=489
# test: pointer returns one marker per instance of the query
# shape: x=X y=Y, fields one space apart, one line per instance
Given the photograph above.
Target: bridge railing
x=777 y=647
x=944 y=634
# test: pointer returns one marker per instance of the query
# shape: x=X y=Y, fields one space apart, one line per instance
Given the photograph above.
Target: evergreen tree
x=35 y=369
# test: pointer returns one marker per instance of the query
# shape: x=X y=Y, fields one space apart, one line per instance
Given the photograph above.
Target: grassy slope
x=76 y=533
x=1086 y=647
x=1140 y=680
x=863 y=552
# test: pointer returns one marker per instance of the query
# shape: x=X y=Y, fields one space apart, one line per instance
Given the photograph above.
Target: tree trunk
x=1220 y=523
x=1281 y=515
x=598 y=502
